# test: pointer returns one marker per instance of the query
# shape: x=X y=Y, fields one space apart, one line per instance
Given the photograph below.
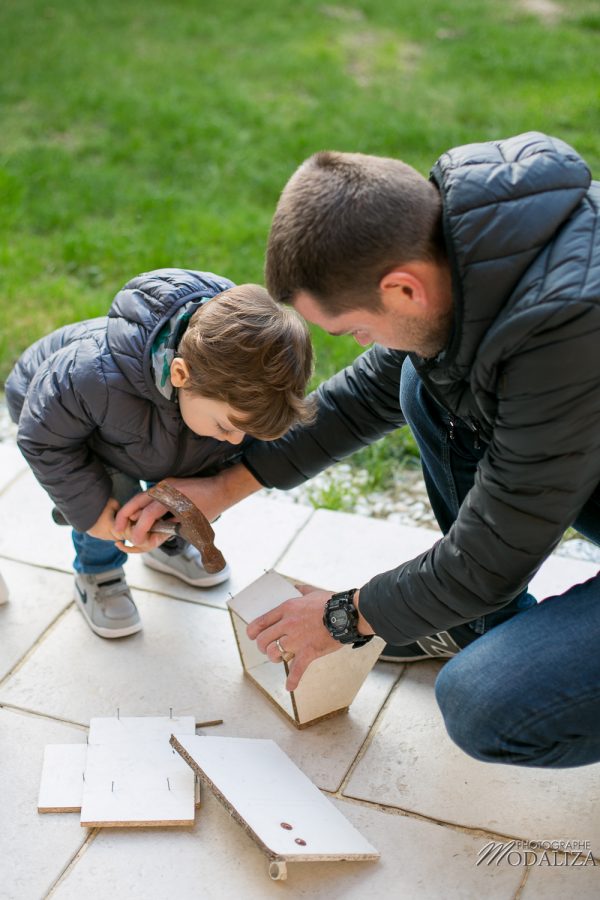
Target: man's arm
x=355 y=407
x=213 y=495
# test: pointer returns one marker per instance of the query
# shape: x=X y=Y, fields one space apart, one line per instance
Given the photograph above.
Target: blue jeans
x=93 y=556
x=527 y=691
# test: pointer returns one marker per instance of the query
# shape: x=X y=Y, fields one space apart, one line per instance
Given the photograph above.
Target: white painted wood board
x=329 y=684
x=262 y=595
x=63 y=774
x=61 y=785
x=132 y=776
x=262 y=788
x=117 y=728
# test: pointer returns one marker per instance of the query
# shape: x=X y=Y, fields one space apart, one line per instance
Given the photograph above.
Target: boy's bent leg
x=101 y=591
x=94 y=556
x=528 y=692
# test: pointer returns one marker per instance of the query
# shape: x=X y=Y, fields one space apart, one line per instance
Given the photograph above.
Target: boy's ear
x=179 y=372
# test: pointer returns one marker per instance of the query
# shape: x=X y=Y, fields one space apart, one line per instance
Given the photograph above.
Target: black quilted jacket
x=521 y=220
x=85 y=398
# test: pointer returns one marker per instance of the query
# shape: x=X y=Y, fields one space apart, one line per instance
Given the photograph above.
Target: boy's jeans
x=527 y=692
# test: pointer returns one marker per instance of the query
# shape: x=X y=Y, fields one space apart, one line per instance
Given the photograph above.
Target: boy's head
x=242 y=367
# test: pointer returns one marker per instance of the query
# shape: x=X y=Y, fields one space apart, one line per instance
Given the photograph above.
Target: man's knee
x=465 y=706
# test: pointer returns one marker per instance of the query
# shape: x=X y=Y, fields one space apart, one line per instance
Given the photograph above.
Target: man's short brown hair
x=255 y=355
x=344 y=220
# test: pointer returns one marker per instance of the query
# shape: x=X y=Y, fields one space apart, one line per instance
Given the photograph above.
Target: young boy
x=184 y=368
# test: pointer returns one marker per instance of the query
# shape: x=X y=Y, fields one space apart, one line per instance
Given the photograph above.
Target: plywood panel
x=61 y=786
x=332 y=682
x=275 y=802
x=133 y=777
x=118 y=728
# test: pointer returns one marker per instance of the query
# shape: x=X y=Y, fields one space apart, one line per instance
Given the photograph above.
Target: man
x=483 y=286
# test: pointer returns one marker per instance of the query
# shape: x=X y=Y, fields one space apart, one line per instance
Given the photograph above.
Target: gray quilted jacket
x=86 y=398
x=522 y=368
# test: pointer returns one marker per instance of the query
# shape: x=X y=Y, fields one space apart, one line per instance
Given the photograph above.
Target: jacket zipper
x=452 y=418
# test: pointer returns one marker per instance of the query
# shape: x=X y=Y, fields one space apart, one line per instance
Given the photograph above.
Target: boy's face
x=209 y=417
x=204 y=415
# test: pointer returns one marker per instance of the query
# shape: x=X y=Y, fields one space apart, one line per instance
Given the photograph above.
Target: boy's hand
x=103 y=528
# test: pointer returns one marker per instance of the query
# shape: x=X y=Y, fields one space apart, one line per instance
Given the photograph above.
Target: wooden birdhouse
x=328 y=686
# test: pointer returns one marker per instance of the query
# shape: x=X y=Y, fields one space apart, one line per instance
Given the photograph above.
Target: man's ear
x=403 y=286
x=179 y=372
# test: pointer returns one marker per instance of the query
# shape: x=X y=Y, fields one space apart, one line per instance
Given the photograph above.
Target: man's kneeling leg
x=528 y=692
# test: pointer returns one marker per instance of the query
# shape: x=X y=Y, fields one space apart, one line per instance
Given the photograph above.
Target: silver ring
x=279 y=647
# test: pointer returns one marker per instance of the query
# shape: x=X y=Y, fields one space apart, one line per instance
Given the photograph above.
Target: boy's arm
x=65 y=402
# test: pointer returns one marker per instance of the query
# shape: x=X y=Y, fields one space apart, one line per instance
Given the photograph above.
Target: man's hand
x=134 y=522
x=298 y=624
x=104 y=527
x=212 y=495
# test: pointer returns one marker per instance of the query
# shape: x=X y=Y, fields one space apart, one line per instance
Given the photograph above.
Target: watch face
x=339 y=620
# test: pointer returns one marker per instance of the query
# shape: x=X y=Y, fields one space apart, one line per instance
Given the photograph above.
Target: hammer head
x=194 y=527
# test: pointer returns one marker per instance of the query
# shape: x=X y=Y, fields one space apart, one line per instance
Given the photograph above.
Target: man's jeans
x=527 y=692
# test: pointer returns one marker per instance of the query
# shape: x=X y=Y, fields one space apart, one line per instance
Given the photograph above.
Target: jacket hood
x=150 y=308
x=503 y=202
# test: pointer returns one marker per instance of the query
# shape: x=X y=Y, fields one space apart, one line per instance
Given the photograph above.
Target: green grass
x=144 y=133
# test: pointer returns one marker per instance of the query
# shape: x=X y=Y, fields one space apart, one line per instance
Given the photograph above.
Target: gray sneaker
x=186 y=565
x=107 y=604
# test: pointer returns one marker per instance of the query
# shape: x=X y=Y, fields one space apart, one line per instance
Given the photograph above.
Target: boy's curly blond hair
x=255 y=355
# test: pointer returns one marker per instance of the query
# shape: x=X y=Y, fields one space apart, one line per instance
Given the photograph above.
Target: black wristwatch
x=340 y=618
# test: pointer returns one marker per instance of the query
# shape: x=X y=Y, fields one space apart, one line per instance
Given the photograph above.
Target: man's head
x=242 y=367
x=362 y=234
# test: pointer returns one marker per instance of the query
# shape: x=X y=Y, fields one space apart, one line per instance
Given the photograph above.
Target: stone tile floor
x=387 y=764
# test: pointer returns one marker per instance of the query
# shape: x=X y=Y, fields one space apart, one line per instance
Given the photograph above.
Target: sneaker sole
x=406 y=659
x=208 y=581
x=106 y=632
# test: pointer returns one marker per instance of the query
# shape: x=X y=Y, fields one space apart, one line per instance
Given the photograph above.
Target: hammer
x=193 y=526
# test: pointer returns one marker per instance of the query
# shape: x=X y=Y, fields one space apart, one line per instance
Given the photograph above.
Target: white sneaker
x=186 y=566
x=106 y=604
